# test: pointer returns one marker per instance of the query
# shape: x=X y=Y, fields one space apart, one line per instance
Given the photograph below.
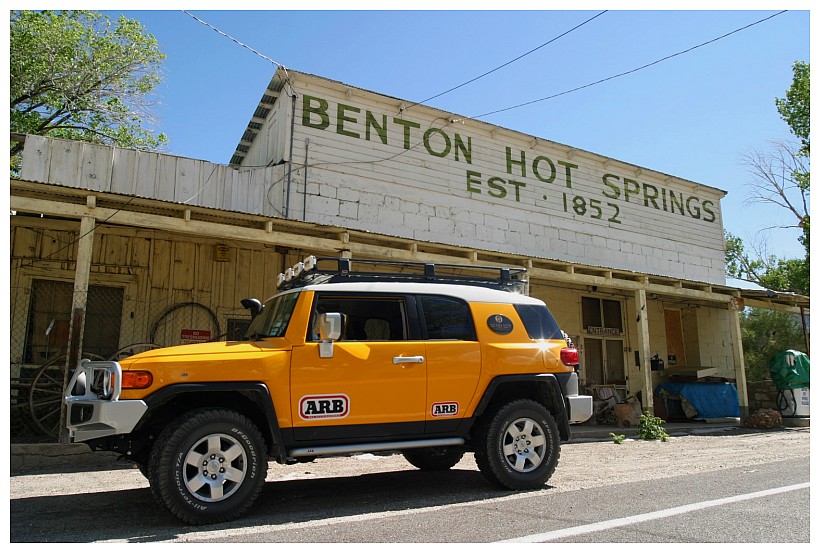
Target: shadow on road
x=133 y=516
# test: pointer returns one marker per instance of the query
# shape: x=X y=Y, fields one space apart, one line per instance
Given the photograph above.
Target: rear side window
x=539 y=322
x=447 y=319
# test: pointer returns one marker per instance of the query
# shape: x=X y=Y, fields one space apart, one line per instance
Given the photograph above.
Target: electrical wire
x=243 y=45
x=226 y=35
x=509 y=62
x=631 y=70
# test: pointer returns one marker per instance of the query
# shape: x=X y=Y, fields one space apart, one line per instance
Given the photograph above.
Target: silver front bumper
x=93 y=405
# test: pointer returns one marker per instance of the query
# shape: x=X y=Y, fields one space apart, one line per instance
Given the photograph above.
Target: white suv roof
x=466 y=292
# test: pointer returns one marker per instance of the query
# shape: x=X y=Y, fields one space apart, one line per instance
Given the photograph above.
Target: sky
x=693 y=115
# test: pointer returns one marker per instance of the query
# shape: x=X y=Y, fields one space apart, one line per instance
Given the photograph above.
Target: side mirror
x=330 y=329
x=253 y=305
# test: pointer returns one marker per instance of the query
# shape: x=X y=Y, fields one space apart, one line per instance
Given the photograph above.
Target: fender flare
x=256 y=393
x=550 y=390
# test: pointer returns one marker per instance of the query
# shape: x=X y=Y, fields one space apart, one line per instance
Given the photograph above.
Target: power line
x=509 y=62
x=226 y=35
x=631 y=70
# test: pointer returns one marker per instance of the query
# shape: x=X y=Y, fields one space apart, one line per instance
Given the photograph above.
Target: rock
x=763 y=419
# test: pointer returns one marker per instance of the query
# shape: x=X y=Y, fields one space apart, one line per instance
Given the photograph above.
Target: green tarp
x=790 y=370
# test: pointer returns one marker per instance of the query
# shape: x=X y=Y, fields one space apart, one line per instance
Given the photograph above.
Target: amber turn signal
x=136 y=380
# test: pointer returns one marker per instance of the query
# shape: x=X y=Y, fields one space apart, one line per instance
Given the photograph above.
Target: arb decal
x=449 y=409
x=334 y=406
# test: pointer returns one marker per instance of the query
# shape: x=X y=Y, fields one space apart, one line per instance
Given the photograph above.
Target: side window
x=447 y=319
x=539 y=322
x=366 y=318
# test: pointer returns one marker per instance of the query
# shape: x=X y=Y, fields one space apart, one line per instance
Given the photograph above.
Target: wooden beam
x=645 y=367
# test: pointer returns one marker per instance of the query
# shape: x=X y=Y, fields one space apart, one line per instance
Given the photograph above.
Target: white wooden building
x=133 y=247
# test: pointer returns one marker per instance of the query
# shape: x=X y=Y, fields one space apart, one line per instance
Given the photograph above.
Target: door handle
x=402 y=360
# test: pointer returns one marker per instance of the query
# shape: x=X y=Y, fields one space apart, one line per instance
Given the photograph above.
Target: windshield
x=272 y=321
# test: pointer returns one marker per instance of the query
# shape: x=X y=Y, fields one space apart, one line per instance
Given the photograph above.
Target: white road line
x=615 y=523
x=257 y=530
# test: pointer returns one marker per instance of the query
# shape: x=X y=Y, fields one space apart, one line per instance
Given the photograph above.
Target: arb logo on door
x=335 y=406
x=449 y=409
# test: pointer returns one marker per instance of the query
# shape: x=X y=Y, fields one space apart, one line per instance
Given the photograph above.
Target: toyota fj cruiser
x=350 y=356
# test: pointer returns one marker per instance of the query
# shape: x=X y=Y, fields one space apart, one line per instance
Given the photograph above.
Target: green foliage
x=764 y=333
x=617 y=438
x=795 y=107
x=783 y=179
x=77 y=75
x=651 y=428
x=772 y=273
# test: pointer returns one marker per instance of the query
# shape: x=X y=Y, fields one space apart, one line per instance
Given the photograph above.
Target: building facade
x=112 y=249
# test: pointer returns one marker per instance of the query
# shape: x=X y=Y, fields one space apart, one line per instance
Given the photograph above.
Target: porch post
x=739 y=363
x=643 y=350
x=82 y=273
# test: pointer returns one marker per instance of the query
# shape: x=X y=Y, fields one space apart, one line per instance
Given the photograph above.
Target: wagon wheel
x=45 y=397
x=132 y=349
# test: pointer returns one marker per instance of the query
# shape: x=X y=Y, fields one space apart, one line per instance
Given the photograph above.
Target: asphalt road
x=383 y=499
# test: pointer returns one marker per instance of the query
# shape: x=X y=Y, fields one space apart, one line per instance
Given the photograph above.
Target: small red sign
x=193 y=336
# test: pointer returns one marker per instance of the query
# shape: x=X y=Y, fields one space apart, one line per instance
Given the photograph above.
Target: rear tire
x=208 y=466
x=434 y=458
x=518 y=446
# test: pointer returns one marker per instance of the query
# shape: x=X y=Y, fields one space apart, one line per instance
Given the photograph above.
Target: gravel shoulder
x=582 y=464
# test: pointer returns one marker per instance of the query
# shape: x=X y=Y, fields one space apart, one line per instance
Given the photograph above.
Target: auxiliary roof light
x=302 y=267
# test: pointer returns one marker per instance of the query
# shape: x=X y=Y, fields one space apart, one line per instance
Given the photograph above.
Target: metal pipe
x=304 y=195
x=290 y=157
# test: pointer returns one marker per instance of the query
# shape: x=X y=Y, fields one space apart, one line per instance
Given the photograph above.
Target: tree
x=77 y=75
x=765 y=333
x=768 y=271
x=781 y=178
x=795 y=107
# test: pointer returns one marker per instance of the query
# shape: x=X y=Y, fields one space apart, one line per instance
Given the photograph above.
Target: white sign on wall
x=423 y=174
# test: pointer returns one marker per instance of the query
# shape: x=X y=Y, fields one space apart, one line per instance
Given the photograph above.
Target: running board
x=364 y=448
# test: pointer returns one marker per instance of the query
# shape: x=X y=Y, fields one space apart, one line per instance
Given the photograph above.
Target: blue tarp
x=712 y=400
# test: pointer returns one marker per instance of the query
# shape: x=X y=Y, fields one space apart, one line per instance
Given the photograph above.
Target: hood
x=210 y=350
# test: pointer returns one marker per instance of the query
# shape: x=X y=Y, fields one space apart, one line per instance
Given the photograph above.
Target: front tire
x=518 y=446
x=434 y=458
x=208 y=466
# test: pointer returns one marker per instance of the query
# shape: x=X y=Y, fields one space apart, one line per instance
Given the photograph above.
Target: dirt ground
x=587 y=464
x=582 y=464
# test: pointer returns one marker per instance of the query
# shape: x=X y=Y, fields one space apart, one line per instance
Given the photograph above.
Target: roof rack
x=315 y=270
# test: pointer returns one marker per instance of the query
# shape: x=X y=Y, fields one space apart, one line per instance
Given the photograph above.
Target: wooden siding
x=156 y=270
x=151 y=175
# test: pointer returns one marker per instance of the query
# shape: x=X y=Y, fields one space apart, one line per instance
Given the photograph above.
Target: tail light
x=569 y=357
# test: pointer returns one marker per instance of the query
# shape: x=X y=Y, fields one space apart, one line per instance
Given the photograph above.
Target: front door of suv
x=374 y=385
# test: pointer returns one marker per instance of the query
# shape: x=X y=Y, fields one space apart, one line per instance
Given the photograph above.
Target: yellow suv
x=350 y=356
